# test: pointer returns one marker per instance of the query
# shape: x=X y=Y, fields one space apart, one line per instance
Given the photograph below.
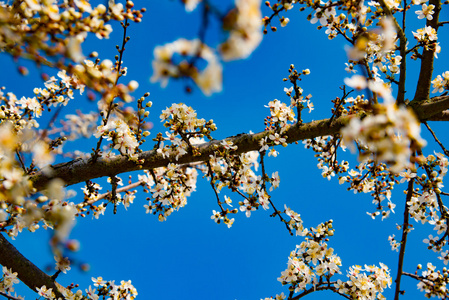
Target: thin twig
x=211 y=175
x=9 y=296
x=276 y=211
x=436 y=139
x=120 y=190
x=405 y=231
x=22 y=164
x=111 y=105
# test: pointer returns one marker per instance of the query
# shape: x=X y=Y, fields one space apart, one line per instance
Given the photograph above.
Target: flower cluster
x=393 y=243
x=375 y=45
x=170 y=188
x=326 y=149
x=17 y=212
x=426 y=35
x=186 y=130
x=369 y=176
x=426 y=206
x=295 y=223
x=311 y=259
x=281 y=114
x=123 y=139
x=56 y=92
x=109 y=289
x=441 y=83
x=102 y=289
x=62 y=264
x=390 y=135
x=245 y=30
x=102 y=76
x=59 y=92
x=237 y=172
x=362 y=285
x=422 y=207
x=9 y=278
x=40 y=30
x=433 y=283
x=165 y=64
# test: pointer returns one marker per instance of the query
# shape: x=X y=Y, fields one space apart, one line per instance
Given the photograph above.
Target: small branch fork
x=212 y=184
x=325 y=286
x=446 y=152
x=276 y=211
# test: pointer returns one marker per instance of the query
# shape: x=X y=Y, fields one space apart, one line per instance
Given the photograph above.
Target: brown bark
x=427 y=60
x=28 y=273
x=80 y=170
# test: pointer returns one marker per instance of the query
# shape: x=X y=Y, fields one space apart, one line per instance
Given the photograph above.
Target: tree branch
x=319 y=288
x=442 y=116
x=405 y=230
x=425 y=73
x=28 y=273
x=80 y=170
x=426 y=110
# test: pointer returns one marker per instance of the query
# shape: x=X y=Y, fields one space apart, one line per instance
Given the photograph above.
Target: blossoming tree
x=376 y=116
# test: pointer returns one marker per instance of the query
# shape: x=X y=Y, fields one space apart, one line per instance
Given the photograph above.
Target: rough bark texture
x=80 y=170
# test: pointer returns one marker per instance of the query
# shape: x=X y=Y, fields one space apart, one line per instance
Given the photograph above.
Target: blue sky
x=189 y=256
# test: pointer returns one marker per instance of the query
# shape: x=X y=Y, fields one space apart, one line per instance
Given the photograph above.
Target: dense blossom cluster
x=102 y=289
x=391 y=134
x=28 y=26
x=170 y=188
x=311 y=260
x=385 y=135
x=186 y=130
x=237 y=172
x=365 y=283
x=313 y=264
x=123 y=139
x=433 y=282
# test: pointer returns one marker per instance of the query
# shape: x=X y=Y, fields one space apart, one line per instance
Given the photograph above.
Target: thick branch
x=81 y=170
x=28 y=273
x=442 y=116
x=426 y=110
x=425 y=73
